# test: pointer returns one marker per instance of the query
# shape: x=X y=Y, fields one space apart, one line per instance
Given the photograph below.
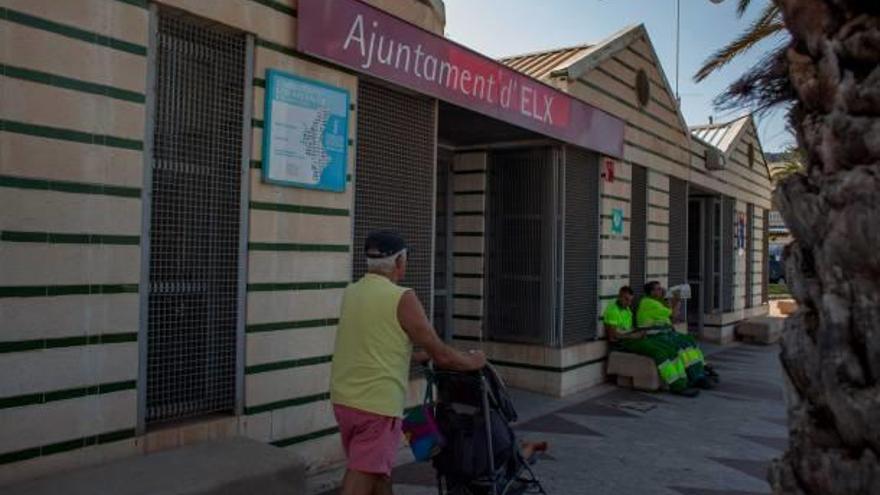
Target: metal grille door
x=580 y=274
x=715 y=257
x=678 y=231
x=638 y=238
x=695 y=261
x=750 y=255
x=194 y=220
x=765 y=258
x=443 y=279
x=520 y=246
x=394 y=184
x=727 y=254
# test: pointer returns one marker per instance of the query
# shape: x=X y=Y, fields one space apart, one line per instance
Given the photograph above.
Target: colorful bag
x=421 y=430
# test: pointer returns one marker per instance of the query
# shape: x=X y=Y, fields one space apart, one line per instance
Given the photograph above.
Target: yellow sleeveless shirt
x=371 y=362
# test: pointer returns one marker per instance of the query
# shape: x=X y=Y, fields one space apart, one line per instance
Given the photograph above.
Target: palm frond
x=767 y=24
x=742 y=7
x=764 y=86
x=787 y=169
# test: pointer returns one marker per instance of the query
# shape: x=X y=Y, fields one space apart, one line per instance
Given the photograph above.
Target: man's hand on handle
x=478 y=360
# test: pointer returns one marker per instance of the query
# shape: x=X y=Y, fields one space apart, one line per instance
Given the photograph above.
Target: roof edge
x=615 y=43
x=602 y=51
x=582 y=46
x=743 y=123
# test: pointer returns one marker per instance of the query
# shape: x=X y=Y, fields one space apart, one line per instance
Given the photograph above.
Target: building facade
x=162 y=283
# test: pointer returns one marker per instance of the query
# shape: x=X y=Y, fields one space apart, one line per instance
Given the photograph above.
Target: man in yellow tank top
x=379 y=324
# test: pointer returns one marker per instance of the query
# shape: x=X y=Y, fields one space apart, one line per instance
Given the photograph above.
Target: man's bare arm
x=414 y=321
x=613 y=334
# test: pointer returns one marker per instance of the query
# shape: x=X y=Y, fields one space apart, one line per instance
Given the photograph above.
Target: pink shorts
x=370 y=440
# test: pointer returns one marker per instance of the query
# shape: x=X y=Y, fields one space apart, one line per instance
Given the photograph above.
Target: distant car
x=776 y=272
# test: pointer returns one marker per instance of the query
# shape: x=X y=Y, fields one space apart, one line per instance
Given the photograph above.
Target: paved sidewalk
x=614 y=441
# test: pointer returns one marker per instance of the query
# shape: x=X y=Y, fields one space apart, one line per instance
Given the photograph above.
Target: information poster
x=305 y=141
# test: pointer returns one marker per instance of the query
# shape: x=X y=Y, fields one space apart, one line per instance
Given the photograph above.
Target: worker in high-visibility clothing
x=654 y=315
x=666 y=352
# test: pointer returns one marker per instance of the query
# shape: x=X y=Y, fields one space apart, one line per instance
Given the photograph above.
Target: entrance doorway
x=710 y=269
x=525 y=235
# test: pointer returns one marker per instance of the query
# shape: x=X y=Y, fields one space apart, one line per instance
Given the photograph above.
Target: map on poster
x=305 y=140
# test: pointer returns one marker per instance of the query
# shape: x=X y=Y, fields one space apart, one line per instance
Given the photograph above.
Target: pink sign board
x=367 y=40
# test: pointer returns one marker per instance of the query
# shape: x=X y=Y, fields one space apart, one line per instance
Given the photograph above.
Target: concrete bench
x=634 y=371
x=786 y=306
x=227 y=467
x=760 y=330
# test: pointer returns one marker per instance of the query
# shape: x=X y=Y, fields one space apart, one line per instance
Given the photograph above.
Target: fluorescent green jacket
x=653 y=313
x=621 y=318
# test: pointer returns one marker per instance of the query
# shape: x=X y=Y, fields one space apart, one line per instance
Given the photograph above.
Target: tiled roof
x=541 y=64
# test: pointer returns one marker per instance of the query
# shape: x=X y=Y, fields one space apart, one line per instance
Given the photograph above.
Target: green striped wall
x=18 y=298
x=302 y=363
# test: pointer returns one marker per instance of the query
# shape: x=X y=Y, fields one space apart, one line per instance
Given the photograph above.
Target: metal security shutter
x=194 y=219
x=678 y=238
x=443 y=279
x=750 y=255
x=765 y=258
x=520 y=285
x=394 y=183
x=638 y=237
x=715 y=257
x=580 y=275
x=727 y=254
x=678 y=231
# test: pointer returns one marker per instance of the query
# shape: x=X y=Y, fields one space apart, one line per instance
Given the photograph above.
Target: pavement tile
x=709 y=445
x=750 y=390
x=683 y=490
x=627 y=395
x=590 y=408
x=553 y=423
x=756 y=469
x=416 y=473
x=777 y=443
x=778 y=421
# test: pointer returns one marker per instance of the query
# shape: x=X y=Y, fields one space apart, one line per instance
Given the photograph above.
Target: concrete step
x=227 y=467
x=760 y=330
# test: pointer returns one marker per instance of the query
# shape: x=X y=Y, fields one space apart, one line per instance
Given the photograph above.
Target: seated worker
x=655 y=314
x=618 y=320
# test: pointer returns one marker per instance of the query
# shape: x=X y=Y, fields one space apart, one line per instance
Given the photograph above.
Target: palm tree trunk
x=831 y=345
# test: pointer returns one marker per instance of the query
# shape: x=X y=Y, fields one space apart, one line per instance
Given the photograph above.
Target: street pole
x=677 y=47
x=678 y=43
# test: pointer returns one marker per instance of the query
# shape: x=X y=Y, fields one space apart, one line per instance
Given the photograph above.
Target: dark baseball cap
x=383 y=243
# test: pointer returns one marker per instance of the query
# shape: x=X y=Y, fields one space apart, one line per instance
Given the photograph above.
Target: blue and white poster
x=305 y=141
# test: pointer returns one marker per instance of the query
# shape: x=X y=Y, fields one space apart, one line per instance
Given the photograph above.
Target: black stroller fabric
x=463 y=466
x=464 y=388
x=466 y=456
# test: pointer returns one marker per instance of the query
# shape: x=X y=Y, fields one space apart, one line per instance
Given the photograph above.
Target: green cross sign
x=617 y=221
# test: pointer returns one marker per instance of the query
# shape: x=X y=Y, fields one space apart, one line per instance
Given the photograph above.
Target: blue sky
x=508 y=27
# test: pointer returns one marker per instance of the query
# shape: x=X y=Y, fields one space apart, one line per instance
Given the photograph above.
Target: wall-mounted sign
x=305 y=134
x=617 y=221
x=365 y=39
x=608 y=170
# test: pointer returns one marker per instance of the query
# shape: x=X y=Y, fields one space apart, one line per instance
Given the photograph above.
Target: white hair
x=385 y=265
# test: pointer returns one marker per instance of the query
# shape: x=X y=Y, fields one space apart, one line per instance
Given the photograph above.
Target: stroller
x=481 y=455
